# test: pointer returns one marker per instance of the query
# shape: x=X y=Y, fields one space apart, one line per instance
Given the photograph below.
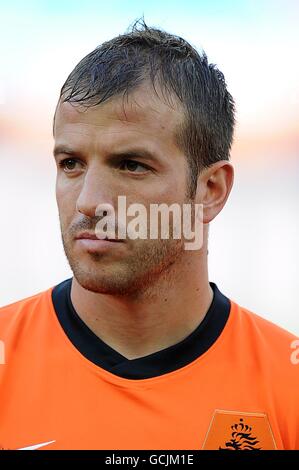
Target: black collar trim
x=153 y=365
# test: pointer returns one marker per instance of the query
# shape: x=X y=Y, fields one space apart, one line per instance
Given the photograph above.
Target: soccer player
x=139 y=350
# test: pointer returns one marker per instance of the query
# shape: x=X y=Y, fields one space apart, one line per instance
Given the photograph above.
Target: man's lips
x=89 y=242
x=92 y=236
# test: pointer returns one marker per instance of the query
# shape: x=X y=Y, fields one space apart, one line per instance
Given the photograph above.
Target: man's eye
x=133 y=166
x=68 y=164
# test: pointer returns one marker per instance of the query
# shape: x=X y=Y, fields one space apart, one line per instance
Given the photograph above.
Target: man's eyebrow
x=64 y=149
x=142 y=154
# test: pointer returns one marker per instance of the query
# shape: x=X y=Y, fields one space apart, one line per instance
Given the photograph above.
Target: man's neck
x=137 y=327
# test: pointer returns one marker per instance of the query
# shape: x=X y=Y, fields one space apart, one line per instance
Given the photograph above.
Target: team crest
x=233 y=430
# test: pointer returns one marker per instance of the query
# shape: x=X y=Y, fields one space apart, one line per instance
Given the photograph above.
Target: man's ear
x=213 y=188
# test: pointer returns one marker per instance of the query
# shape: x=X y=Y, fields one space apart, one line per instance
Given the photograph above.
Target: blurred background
x=253 y=243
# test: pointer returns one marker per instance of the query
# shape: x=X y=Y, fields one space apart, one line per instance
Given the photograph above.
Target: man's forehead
x=141 y=107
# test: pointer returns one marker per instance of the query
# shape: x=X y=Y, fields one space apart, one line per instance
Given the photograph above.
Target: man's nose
x=96 y=189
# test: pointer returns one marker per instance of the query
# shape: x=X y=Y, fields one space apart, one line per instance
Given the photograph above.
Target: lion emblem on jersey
x=241 y=438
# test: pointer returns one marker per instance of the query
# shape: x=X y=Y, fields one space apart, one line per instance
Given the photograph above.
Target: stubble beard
x=133 y=275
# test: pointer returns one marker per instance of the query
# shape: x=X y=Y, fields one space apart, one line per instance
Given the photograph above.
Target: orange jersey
x=60 y=389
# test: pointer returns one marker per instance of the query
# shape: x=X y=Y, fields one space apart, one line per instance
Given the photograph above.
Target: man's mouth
x=90 y=242
x=93 y=236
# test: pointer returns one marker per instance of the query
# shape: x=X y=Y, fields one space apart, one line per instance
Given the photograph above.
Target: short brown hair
x=120 y=65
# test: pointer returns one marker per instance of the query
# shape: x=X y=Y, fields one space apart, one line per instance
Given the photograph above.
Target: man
x=138 y=350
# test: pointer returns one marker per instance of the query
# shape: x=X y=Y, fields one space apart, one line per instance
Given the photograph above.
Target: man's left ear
x=213 y=188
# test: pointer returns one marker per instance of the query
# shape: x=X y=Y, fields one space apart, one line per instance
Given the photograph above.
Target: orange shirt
x=242 y=392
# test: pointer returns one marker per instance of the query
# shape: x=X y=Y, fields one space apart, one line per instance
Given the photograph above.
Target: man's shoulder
x=259 y=325
x=271 y=346
x=14 y=312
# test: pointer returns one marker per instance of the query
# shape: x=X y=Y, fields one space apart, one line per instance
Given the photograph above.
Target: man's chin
x=104 y=278
x=108 y=284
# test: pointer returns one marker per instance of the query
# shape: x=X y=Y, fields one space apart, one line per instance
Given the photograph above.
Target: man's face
x=103 y=139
